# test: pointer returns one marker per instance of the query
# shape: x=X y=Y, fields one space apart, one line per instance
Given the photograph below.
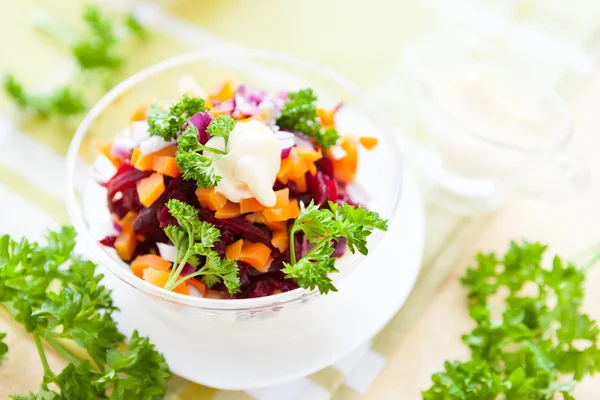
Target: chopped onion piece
x=194 y=291
x=139 y=131
x=153 y=144
x=300 y=141
x=122 y=147
x=167 y=251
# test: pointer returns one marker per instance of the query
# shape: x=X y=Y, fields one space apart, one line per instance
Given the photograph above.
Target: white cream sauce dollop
x=250 y=167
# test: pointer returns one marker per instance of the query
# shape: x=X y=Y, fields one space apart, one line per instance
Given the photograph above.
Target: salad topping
x=236 y=194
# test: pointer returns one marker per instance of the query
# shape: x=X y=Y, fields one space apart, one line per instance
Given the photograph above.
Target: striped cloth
x=32 y=171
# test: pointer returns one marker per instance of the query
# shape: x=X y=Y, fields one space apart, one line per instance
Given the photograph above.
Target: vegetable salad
x=235 y=194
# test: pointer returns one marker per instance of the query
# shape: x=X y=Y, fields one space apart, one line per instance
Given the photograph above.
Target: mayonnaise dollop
x=250 y=167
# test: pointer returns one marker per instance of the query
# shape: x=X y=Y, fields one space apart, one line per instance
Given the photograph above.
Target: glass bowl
x=276 y=318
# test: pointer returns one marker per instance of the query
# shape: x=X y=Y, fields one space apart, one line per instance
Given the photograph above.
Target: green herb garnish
x=168 y=123
x=3 y=346
x=194 y=240
x=64 y=101
x=191 y=162
x=299 y=114
x=321 y=228
x=56 y=295
x=95 y=50
x=535 y=344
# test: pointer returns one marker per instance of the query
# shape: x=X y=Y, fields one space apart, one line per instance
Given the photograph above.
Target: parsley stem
x=40 y=348
x=170 y=285
x=292 y=247
x=60 y=349
x=201 y=271
x=211 y=149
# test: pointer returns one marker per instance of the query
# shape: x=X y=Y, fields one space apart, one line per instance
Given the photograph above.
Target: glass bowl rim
x=75 y=210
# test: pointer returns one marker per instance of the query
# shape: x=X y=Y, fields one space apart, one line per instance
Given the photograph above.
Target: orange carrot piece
x=284 y=170
x=256 y=255
x=126 y=243
x=144 y=162
x=281 y=240
x=230 y=210
x=276 y=225
x=216 y=113
x=309 y=155
x=368 y=142
x=168 y=151
x=159 y=278
x=210 y=199
x=140 y=112
x=198 y=284
x=290 y=211
x=283 y=197
x=344 y=169
x=128 y=219
x=250 y=205
x=255 y=217
x=149 y=189
x=258 y=217
x=299 y=169
x=149 y=261
x=135 y=155
x=300 y=183
x=166 y=166
x=226 y=92
x=234 y=250
x=326 y=117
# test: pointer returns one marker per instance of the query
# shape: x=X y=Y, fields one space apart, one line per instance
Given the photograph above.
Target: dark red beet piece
x=126 y=177
x=109 y=241
x=239 y=225
x=326 y=166
x=165 y=218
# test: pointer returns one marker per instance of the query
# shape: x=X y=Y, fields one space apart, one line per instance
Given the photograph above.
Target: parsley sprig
x=194 y=241
x=168 y=123
x=3 y=346
x=322 y=227
x=536 y=345
x=56 y=295
x=195 y=165
x=96 y=51
x=299 y=114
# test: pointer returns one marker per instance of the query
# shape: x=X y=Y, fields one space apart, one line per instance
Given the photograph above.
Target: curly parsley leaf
x=221 y=127
x=168 y=123
x=321 y=227
x=539 y=346
x=194 y=165
x=194 y=239
x=63 y=102
x=57 y=295
x=97 y=46
x=299 y=114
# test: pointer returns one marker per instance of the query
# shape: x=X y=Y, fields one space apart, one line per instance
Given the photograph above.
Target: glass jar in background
x=490 y=129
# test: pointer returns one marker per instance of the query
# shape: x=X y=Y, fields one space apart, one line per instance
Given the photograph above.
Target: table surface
x=435 y=336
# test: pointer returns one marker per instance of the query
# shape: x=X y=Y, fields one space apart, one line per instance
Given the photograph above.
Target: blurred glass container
x=493 y=129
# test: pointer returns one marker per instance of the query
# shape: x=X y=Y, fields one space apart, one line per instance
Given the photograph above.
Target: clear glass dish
x=380 y=170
